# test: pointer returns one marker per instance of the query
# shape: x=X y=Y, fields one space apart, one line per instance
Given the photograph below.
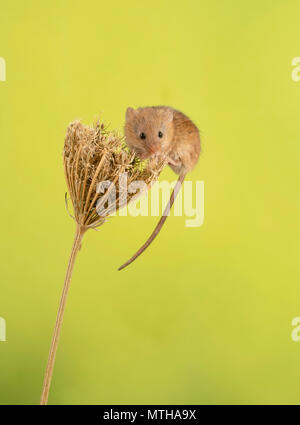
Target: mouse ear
x=168 y=115
x=129 y=113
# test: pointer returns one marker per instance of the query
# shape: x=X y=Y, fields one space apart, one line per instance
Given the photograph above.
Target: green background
x=205 y=315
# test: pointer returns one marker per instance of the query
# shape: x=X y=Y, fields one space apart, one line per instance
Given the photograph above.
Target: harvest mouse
x=162 y=130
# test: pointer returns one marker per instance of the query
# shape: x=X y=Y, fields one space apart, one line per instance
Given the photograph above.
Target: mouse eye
x=160 y=134
x=142 y=135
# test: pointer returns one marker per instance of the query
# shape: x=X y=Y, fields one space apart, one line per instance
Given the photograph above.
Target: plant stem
x=80 y=230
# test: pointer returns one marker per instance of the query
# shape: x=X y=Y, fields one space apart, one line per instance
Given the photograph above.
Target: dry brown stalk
x=93 y=155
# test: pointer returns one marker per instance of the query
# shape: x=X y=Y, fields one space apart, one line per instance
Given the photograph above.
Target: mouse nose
x=152 y=150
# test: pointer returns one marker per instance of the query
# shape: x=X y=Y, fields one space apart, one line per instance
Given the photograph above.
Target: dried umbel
x=93 y=156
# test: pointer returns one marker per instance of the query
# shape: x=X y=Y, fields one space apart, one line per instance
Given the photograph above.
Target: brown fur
x=180 y=141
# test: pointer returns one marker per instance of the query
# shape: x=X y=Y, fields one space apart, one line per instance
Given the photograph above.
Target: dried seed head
x=93 y=155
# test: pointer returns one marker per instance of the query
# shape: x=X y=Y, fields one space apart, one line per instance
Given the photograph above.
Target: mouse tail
x=159 y=224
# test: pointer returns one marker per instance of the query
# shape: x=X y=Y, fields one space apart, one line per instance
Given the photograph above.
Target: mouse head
x=149 y=130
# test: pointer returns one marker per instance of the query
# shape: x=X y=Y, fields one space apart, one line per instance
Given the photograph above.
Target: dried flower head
x=93 y=155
